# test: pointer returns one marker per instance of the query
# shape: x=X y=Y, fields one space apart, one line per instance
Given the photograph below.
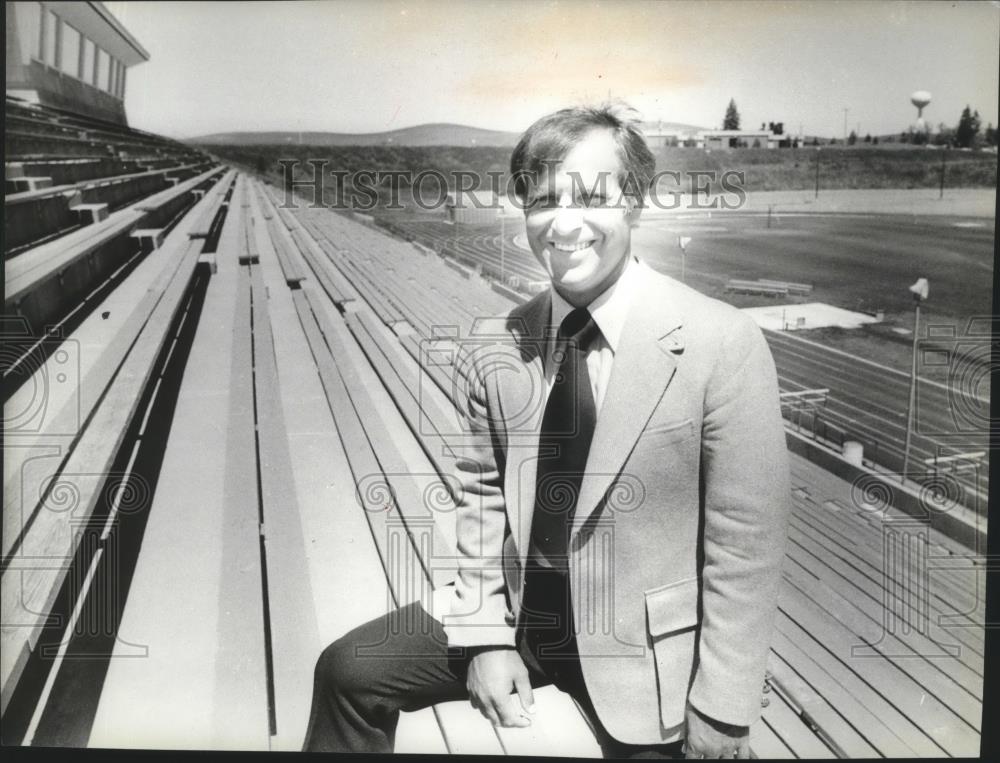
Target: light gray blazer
x=679 y=530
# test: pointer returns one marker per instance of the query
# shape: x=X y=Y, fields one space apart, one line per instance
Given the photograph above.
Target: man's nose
x=567 y=221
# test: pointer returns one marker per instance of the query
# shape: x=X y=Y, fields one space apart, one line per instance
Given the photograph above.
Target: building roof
x=737 y=133
x=110 y=18
x=95 y=21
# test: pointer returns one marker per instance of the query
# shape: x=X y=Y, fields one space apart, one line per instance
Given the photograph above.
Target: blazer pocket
x=672 y=620
x=668 y=432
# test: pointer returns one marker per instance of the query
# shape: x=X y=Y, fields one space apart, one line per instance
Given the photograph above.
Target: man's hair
x=549 y=139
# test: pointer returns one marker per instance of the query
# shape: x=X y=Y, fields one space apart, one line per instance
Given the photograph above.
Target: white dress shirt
x=609 y=311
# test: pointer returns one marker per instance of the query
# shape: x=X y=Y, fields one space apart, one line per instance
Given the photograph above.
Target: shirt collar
x=609 y=310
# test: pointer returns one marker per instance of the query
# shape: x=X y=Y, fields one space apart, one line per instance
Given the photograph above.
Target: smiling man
x=622 y=519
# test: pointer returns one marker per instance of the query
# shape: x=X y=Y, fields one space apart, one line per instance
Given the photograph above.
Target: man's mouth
x=560 y=247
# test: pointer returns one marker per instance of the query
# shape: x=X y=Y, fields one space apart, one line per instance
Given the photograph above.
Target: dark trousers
x=401 y=662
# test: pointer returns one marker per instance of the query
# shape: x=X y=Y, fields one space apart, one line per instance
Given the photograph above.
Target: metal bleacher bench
x=31 y=216
x=113 y=356
x=45 y=282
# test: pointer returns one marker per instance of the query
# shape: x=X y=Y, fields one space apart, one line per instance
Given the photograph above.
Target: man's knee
x=338 y=668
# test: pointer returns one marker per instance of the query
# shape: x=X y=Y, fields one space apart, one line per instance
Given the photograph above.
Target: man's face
x=578 y=223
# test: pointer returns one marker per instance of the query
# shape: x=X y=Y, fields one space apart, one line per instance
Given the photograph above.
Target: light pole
x=920 y=291
x=682 y=242
x=817 y=172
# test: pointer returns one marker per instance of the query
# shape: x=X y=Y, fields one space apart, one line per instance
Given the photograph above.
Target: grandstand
x=229 y=429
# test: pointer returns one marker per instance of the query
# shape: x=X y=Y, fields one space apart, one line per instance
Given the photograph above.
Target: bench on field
x=741 y=286
x=791 y=286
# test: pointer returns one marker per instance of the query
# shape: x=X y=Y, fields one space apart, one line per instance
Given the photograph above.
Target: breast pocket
x=666 y=433
x=672 y=620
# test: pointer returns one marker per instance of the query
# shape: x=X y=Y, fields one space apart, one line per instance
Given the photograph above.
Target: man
x=625 y=492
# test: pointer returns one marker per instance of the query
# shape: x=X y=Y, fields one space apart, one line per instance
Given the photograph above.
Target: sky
x=374 y=65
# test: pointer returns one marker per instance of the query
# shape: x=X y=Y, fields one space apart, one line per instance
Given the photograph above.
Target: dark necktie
x=564 y=442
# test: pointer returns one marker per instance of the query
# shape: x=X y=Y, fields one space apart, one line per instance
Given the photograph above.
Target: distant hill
x=419 y=135
x=442 y=134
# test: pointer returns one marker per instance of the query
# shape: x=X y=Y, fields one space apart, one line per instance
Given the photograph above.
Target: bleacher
x=250 y=453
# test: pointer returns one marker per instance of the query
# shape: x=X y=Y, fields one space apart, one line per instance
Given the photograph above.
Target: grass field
x=839 y=167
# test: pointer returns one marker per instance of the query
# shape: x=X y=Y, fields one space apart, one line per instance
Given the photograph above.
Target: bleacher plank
x=209 y=694
x=862 y=706
x=418 y=733
x=420 y=403
x=334 y=284
x=99 y=345
x=557 y=729
x=955 y=593
x=434 y=358
x=293 y=631
x=28 y=591
x=378 y=503
x=788 y=726
x=422 y=506
x=864 y=560
x=400 y=566
x=31 y=286
x=466 y=731
x=874 y=600
x=765 y=744
x=239 y=716
x=339 y=557
x=842 y=737
x=955 y=587
x=923 y=709
x=906 y=655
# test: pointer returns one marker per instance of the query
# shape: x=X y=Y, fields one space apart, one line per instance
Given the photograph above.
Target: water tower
x=920 y=99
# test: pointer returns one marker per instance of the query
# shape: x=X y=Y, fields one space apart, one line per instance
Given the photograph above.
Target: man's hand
x=708 y=738
x=493 y=675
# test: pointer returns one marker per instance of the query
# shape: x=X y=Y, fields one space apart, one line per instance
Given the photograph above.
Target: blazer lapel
x=521 y=392
x=644 y=364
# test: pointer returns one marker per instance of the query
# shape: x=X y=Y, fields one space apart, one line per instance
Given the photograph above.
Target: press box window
x=69 y=56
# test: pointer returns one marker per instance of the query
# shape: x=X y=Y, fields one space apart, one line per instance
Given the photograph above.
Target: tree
x=732 y=120
x=852 y=138
x=944 y=136
x=875 y=141
x=868 y=138
x=991 y=135
x=967 y=132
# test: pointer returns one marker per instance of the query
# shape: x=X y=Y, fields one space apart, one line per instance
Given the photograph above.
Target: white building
x=70 y=55
x=723 y=139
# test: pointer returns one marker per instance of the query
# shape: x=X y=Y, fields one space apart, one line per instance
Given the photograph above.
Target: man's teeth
x=572 y=247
